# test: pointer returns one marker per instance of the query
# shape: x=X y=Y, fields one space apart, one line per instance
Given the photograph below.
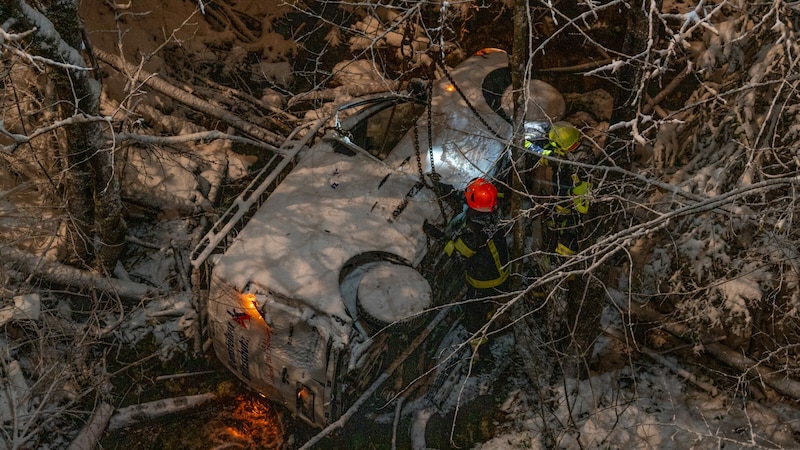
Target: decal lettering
x=230 y=345
x=266 y=345
x=244 y=353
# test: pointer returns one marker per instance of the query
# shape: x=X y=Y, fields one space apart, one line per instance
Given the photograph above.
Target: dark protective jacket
x=485 y=249
x=573 y=199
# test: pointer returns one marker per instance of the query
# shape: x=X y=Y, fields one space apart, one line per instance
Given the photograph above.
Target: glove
x=538 y=150
x=431 y=230
x=457 y=223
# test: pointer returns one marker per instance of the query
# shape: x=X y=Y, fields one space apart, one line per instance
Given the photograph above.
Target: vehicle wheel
x=393 y=294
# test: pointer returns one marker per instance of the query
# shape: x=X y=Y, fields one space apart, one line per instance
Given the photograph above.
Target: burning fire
x=253 y=424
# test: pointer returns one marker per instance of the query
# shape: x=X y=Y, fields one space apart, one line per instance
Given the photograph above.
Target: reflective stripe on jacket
x=502 y=270
x=486 y=258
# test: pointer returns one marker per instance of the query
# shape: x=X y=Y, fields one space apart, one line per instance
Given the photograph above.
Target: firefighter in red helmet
x=482 y=244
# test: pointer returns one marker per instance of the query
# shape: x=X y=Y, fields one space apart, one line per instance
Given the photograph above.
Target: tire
x=393 y=295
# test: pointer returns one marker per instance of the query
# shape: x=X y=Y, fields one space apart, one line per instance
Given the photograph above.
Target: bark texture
x=629 y=97
x=91 y=191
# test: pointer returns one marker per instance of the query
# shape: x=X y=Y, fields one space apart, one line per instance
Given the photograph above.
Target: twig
x=685 y=374
x=182 y=375
x=577 y=67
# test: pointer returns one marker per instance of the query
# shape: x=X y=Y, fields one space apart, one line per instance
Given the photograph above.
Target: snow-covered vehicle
x=331 y=277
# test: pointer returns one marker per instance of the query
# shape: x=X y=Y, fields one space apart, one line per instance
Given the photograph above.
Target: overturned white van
x=329 y=279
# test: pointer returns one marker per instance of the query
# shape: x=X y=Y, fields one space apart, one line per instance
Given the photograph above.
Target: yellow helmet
x=564 y=136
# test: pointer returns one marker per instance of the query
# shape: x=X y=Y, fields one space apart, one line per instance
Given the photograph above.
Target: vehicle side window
x=381 y=132
x=493 y=87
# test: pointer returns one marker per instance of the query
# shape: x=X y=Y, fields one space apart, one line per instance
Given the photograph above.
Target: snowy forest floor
x=636 y=398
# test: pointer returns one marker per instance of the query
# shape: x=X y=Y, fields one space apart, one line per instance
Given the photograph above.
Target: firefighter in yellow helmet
x=564 y=138
x=572 y=193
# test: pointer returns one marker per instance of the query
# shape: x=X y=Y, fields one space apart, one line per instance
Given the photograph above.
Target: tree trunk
x=109 y=223
x=518 y=63
x=630 y=94
x=86 y=140
x=75 y=149
x=91 y=192
x=531 y=343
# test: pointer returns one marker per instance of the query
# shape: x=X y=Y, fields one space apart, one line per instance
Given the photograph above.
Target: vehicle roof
x=333 y=208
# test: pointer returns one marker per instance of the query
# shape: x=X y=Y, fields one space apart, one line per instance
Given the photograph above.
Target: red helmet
x=481 y=195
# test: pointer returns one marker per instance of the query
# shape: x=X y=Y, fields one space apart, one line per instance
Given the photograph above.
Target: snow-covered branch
x=64 y=275
x=190 y=100
x=20 y=139
x=204 y=136
x=70 y=58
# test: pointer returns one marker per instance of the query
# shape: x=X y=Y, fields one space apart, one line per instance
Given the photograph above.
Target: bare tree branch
x=190 y=100
x=64 y=275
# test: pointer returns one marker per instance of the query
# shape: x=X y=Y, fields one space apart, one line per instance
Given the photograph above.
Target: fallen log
x=131 y=415
x=683 y=373
x=723 y=353
x=90 y=434
x=64 y=275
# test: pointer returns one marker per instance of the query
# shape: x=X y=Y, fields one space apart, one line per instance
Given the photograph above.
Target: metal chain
x=434 y=177
x=434 y=186
x=419 y=159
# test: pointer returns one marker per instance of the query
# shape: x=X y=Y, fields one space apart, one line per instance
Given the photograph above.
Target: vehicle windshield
x=382 y=130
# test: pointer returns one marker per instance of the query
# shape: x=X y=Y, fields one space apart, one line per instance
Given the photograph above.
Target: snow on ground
x=642 y=405
x=170 y=320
